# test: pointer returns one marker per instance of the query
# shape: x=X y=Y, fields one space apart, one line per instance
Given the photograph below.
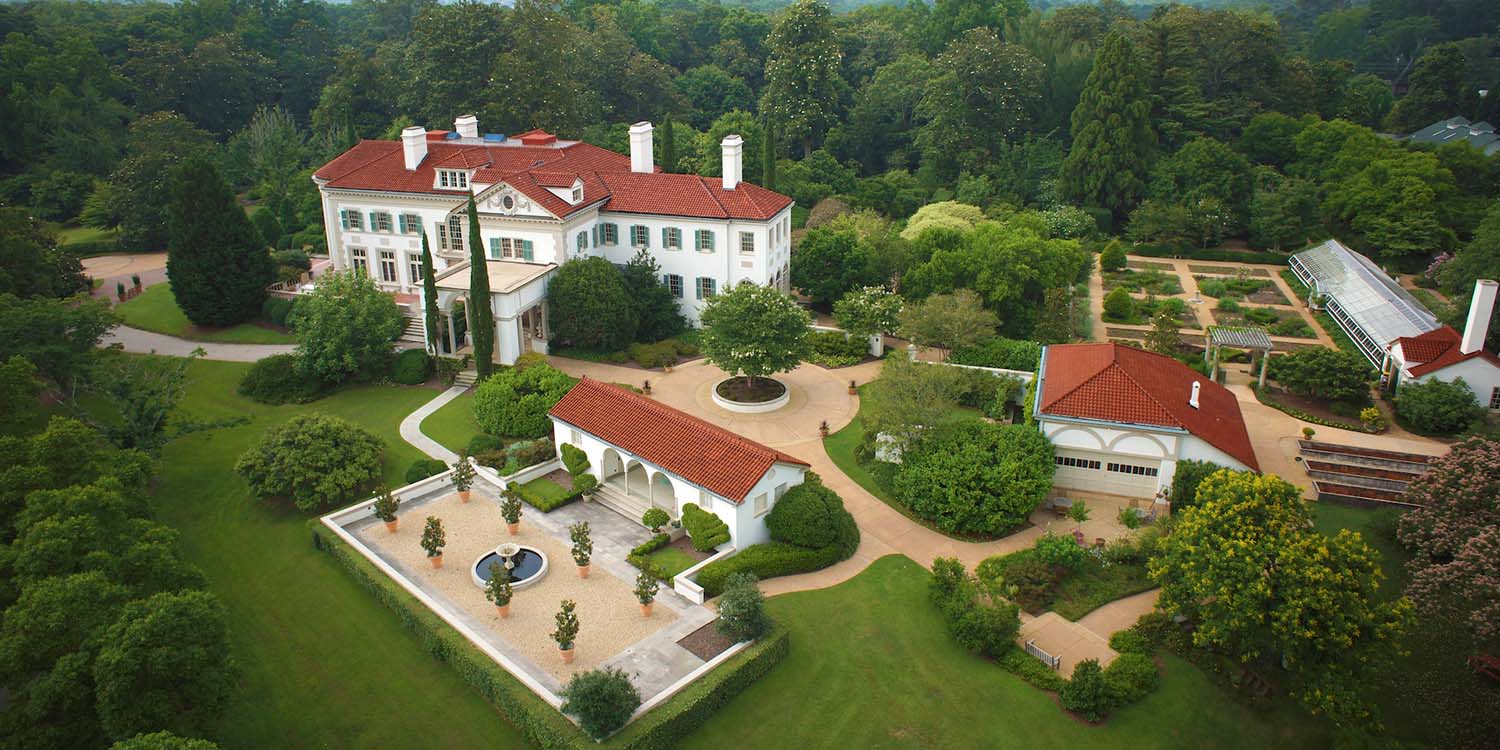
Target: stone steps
x=620 y=502
x=412 y=331
x=467 y=378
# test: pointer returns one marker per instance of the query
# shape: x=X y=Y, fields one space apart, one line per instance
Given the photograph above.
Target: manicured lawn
x=872 y=666
x=156 y=310
x=322 y=664
x=545 y=494
x=67 y=235
x=453 y=425
x=671 y=560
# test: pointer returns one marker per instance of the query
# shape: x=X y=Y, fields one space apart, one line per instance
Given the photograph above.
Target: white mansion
x=542 y=201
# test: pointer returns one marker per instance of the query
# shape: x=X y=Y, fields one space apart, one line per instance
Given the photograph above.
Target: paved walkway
x=145 y=342
x=112 y=269
x=411 y=427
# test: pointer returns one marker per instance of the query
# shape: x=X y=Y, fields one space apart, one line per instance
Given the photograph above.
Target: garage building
x=1121 y=418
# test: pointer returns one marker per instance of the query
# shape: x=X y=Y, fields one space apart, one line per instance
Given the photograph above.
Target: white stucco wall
x=1481 y=376
x=1167 y=446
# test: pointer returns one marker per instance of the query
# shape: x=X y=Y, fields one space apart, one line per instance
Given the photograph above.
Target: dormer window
x=577 y=192
x=453 y=179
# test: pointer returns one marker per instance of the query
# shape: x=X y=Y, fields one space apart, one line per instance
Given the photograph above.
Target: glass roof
x=1371 y=298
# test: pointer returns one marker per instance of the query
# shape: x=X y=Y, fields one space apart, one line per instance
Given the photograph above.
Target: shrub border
x=662 y=727
x=1296 y=413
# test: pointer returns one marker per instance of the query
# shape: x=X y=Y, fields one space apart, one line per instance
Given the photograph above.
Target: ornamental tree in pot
x=646 y=587
x=433 y=540
x=385 y=508
x=567 y=630
x=498 y=590
x=463 y=478
x=654 y=519
x=585 y=485
x=510 y=508
x=583 y=546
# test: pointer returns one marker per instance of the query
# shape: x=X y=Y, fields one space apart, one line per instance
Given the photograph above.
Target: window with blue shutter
x=494 y=248
x=526 y=253
x=401 y=223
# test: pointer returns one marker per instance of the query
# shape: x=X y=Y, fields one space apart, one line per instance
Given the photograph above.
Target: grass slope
x=321 y=663
x=453 y=425
x=156 y=310
x=872 y=666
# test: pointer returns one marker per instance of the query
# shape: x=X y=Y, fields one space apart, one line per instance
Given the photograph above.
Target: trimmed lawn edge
x=663 y=727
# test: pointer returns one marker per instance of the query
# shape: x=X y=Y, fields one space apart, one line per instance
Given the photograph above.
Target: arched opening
x=636 y=482
x=611 y=465
x=663 y=495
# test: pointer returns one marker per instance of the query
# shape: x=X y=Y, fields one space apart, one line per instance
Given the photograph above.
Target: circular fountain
x=525 y=565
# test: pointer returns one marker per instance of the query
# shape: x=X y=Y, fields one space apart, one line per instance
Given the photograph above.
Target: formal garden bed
x=659 y=355
x=1072 y=581
x=1276 y=321
x=1194 y=268
x=1260 y=291
x=1120 y=307
x=1149 y=282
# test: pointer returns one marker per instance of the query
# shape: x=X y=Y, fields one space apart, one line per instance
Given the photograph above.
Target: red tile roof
x=1116 y=383
x=702 y=453
x=1436 y=349
x=539 y=163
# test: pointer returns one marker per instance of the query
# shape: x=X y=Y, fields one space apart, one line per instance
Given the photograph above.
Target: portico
x=518 y=303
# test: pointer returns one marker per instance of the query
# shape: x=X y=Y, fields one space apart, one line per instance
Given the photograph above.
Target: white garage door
x=1107 y=473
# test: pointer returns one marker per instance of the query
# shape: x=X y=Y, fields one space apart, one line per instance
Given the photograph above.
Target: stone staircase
x=411 y=332
x=617 y=500
x=467 y=378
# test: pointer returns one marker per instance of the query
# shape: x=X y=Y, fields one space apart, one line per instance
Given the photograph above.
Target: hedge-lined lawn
x=322 y=664
x=872 y=665
x=155 y=309
x=671 y=560
x=545 y=495
x=453 y=424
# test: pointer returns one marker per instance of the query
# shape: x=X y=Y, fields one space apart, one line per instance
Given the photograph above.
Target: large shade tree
x=1113 y=141
x=1264 y=587
x=345 y=327
x=755 y=331
x=985 y=91
x=803 y=83
x=218 y=267
x=590 y=307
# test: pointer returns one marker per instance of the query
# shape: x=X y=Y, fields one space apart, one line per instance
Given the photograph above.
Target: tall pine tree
x=217 y=265
x=668 y=145
x=1112 y=137
x=481 y=316
x=429 y=300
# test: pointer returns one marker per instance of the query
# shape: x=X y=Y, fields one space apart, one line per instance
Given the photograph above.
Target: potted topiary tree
x=135 y=280
x=385 y=508
x=463 y=478
x=1078 y=512
x=433 y=540
x=498 y=590
x=583 y=546
x=510 y=509
x=584 y=485
x=120 y=290
x=567 y=630
x=1308 y=432
x=654 y=519
x=646 y=587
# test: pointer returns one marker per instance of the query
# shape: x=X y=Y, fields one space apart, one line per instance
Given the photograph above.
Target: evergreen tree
x=1436 y=91
x=668 y=145
x=768 y=156
x=803 y=83
x=218 y=267
x=481 y=317
x=1112 y=136
x=429 y=299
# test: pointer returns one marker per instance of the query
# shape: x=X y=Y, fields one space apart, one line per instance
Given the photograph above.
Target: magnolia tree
x=868 y=311
x=1454 y=537
x=755 y=331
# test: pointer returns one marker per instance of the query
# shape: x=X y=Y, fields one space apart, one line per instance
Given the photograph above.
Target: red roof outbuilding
x=1436 y=349
x=700 y=452
x=1115 y=383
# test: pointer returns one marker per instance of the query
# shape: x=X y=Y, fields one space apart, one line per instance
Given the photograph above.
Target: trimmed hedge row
x=664 y=727
x=544 y=503
x=767 y=560
x=640 y=557
x=1302 y=415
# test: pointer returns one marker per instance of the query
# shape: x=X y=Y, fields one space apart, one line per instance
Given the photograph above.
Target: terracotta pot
x=513 y=528
x=504 y=611
x=646 y=609
x=853 y=391
x=391 y=525
x=463 y=496
x=567 y=654
x=583 y=571
x=436 y=560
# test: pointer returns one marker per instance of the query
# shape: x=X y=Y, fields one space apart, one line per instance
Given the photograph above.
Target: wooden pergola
x=1247 y=337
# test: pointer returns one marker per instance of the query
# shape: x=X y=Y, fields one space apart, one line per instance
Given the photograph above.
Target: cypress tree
x=429 y=297
x=481 y=317
x=216 y=263
x=768 y=156
x=1112 y=137
x=668 y=145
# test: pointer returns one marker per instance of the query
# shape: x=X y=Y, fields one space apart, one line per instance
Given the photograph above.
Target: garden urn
x=463 y=495
x=436 y=560
x=567 y=654
x=391 y=525
x=513 y=528
x=504 y=610
x=583 y=571
x=646 y=609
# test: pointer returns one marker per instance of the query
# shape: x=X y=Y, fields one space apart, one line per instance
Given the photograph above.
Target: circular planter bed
x=736 y=394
